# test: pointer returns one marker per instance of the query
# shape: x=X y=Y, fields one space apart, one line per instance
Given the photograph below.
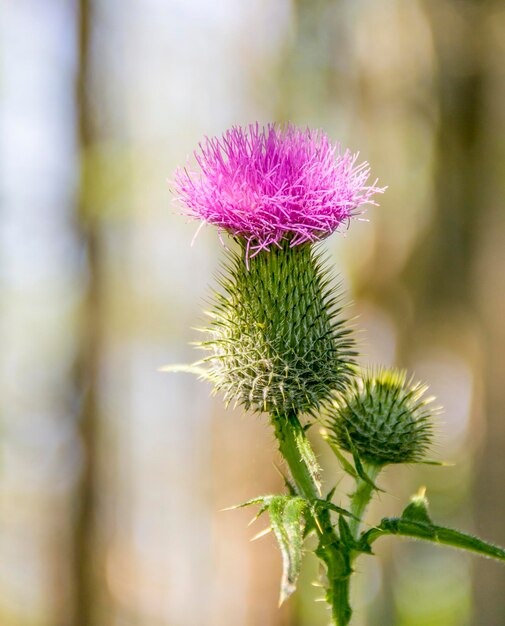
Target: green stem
x=297 y=451
x=338 y=571
x=361 y=498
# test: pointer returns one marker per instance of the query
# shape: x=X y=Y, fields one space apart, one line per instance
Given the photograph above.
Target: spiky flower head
x=277 y=340
x=384 y=417
x=272 y=184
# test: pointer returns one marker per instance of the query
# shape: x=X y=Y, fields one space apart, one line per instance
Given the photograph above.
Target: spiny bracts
x=383 y=417
x=277 y=341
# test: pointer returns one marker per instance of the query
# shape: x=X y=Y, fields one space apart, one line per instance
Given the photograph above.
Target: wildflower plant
x=277 y=343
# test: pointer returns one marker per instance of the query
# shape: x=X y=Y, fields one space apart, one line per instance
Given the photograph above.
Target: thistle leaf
x=262 y=533
x=346 y=465
x=263 y=500
x=327 y=504
x=194 y=368
x=346 y=536
x=417 y=510
x=288 y=484
x=441 y=535
x=416 y=523
x=360 y=470
x=287 y=520
x=287 y=517
x=330 y=494
x=436 y=463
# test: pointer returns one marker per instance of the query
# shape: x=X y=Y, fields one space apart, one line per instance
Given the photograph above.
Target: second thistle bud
x=384 y=417
x=276 y=338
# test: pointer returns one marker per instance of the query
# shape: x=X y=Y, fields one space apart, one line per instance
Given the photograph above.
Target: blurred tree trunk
x=447 y=291
x=489 y=293
x=442 y=265
x=443 y=276
x=88 y=366
x=447 y=268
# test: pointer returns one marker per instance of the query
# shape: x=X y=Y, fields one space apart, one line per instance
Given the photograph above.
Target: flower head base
x=274 y=184
x=277 y=340
x=384 y=417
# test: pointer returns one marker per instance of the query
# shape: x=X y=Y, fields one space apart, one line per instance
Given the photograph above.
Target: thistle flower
x=276 y=338
x=275 y=184
x=384 y=417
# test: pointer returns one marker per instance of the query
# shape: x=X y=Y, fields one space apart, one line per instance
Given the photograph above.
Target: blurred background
x=113 y=475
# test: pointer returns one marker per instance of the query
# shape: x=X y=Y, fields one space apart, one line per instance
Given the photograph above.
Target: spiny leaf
x=346 y=536
x=360 y=470
x=287 y=520
x=289 y=485
x=437 y=463
x=194 y=368
x=348 y=467
x=416 y=523
x=287 y=517
x=363 y=546
x=441 y=535
x=326 y=504
x=265 y=500
x=262 y=533
x=331 y=493
x=417 y=510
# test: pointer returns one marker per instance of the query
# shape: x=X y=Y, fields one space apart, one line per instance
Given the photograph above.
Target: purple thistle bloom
x=275 y=184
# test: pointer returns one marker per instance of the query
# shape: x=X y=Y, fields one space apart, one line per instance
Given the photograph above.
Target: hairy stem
x=437 y=534
x=298 y=454
x=361 y=498
x=338 y=571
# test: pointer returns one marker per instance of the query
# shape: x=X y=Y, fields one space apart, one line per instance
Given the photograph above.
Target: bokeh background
x=113 y=475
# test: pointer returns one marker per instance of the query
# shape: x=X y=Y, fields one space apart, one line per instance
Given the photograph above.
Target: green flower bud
x=276 y=338
x=383 y=417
